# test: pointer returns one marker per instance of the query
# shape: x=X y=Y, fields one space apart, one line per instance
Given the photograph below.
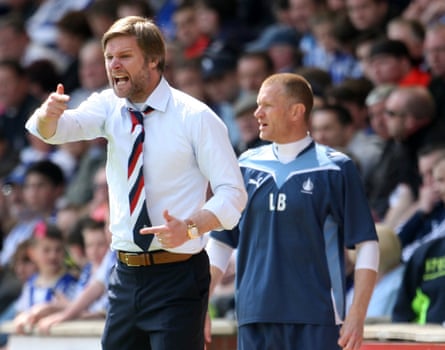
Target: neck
x=47 y=278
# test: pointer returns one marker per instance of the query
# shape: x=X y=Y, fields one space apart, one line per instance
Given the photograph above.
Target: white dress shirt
x=186 y=146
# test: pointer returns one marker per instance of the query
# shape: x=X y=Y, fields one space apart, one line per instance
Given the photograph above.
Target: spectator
x=219 y=21
x=332 y=125
x=50 y=284
x=300 y=12
x=409 y=112
x=252 y=68
x=73 y=31
x=424 y=220
x=97 y=244
x=43 y=186
x=280 y=11
x=95 y=292
x=375 y=103
x=188 y=35
x=188 y=77
x=247 y=124
x=320 y=81
x=92 y=74
x=172 y=54
x=92 y=292
x=421 y=295
x=351 y=94
x=219 y=73
x=412 y=33
x=368 y=14
x=434 y=50
x=101 y=14
x=362 y=48
x=428 y=12
x=16 y=103
x=41 y=26
x=391 y=64
x=331 y=54
x=22 y=268
x=281 y=43
x=16 y=45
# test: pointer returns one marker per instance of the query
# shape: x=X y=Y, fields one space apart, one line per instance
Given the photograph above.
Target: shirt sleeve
x=83 y=123
x=217 y=161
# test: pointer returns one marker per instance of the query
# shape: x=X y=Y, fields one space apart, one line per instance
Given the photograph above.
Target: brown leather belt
x=151 y=258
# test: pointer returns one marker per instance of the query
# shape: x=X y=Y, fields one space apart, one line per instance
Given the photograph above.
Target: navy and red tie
x=138 y=207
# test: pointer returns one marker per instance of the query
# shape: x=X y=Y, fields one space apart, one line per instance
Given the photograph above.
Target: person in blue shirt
x=421 y=295
x=306 y=203
x=51 y=285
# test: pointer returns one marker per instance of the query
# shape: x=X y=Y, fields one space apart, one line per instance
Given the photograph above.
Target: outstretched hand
x=56 y=103
x=51 y=110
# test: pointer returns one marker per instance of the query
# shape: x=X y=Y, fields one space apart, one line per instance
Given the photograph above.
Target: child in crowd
x=96 y=247
x=23 y=268
x=51 y=285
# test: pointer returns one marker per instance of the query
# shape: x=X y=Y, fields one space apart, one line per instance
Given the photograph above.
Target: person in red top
x=391 y=64
x=191 y=40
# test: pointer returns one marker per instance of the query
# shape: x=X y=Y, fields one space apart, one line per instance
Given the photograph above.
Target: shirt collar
x=289 y=151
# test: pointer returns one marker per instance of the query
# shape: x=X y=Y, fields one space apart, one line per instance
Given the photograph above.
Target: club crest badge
x=308 y=186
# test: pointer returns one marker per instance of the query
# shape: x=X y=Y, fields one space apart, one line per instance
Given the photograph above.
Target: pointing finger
x=60 y=89
x=154 y=230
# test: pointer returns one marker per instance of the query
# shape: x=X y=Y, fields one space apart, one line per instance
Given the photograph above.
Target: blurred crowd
x=377 y=70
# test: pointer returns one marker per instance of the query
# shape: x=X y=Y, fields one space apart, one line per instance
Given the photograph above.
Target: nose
x=114 y=63
x=258 y=113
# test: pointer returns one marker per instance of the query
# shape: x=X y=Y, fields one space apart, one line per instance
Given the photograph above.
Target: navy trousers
x=282 y=336
x=158 y=307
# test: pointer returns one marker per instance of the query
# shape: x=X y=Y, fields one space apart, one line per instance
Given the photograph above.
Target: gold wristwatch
x=192 y=229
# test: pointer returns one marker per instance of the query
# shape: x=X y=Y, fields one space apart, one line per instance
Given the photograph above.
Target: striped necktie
x=138 y=208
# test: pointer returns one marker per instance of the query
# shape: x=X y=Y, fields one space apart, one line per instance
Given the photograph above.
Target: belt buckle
x=127 y=262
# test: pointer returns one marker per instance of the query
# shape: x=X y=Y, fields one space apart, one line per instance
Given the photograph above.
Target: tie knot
x=136 y=117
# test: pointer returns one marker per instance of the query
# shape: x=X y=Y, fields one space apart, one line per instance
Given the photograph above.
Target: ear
x=298 y=111
x=153 y=63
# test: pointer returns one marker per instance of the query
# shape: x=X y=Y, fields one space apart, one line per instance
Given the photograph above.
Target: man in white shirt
x=158 y=294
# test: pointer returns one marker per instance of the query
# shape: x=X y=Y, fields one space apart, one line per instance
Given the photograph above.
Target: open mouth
x=120 y=80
